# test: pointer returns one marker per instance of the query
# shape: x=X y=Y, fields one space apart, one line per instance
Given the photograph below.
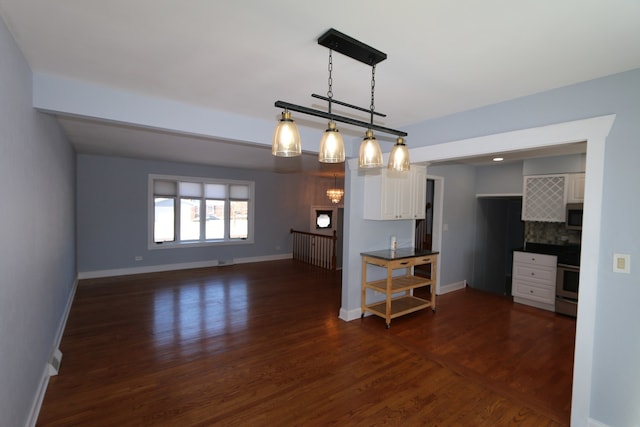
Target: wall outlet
x=621 y=263
x=138 y=258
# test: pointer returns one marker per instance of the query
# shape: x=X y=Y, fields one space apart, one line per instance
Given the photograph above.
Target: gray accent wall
x=37 y=262
x=459 y=217
x=113 y=213
x=612 y=362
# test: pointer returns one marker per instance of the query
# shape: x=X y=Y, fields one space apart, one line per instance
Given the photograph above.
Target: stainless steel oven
x=567 y=284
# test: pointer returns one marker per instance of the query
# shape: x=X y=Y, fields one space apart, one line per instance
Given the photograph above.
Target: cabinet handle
x=531 y=291
x=404 y=263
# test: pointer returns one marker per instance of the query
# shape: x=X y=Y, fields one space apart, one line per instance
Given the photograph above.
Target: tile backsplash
x=553 y=233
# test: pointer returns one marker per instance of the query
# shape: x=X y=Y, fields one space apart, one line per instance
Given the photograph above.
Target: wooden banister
x=315 y=249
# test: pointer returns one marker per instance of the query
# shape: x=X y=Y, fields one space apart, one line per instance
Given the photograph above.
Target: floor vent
x=54 y=363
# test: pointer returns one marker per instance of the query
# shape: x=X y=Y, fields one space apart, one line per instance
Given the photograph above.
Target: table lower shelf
x=399 y=307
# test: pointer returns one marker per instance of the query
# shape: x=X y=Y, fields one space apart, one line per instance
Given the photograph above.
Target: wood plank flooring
x=261 y=344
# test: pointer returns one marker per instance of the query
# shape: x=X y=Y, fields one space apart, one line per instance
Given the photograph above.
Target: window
x=186 y=211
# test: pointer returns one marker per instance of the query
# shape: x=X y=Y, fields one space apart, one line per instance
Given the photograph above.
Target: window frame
x=226 y=240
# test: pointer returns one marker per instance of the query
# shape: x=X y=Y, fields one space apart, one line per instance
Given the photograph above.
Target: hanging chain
x=373 y=86
x=330 y=91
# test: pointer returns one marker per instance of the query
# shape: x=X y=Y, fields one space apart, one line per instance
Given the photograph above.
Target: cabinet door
x=575 y=188
x=419 y=191
x=545 y=198
x=386 y=195
x=390 y=186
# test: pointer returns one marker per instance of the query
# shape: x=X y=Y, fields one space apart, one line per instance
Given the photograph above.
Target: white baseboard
x=179 y=266
x=262 y=258
x=55 y=352
x=444 y=289
x=595 y=423
x=349 y=315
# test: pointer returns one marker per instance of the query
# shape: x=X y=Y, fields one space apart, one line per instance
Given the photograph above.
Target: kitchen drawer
x=534 y=258
x=534 y=292
x=410 y=262
x=529 y=272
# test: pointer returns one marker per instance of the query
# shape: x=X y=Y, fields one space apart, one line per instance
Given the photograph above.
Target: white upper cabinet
x=575 y=188
x=393 y=195
x=544 y=198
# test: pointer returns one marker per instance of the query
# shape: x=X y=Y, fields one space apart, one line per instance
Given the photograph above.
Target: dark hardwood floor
x=261 y=344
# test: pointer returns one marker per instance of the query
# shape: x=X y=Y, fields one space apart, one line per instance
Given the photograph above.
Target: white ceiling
x=242 y=55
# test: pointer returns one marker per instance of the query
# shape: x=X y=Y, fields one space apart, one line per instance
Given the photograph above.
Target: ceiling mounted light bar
x=335 y=40
x=332 y=147
x=342 y=119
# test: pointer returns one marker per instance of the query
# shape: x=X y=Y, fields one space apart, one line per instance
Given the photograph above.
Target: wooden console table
x=396 y=306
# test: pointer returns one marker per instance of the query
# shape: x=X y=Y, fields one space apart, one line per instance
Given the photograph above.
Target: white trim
x=480 y=196
x=152 y=245
x=436 y=237
x=44 y=378
x=349 y=315
x=262 y=258
x=178 y=266
x=595 y=131
x=595 y=423
x=39 y=398
x=445 y=289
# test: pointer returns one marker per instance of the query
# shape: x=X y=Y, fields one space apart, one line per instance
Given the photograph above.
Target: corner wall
x=37 y=172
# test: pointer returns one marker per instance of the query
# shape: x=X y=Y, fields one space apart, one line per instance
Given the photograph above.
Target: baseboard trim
x=595 y=423
x=349 y=315
x=39 y=398
x=44 y=378
x=444 y=289
x=178 y=266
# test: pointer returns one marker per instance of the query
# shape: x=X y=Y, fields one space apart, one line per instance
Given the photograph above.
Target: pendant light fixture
x=335 y=194
x=399 y=157
x=286 y=140
x=331 y=144
x=370 y=155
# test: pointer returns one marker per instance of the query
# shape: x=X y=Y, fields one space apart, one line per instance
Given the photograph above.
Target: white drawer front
x=536 y=293
x=547 y=275
x=536 y=259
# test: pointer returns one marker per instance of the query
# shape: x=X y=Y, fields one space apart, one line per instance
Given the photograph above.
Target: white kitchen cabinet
x=419 y=190
x=544 y=198
x=390 y=195
x=534 y=279
x=575 y=188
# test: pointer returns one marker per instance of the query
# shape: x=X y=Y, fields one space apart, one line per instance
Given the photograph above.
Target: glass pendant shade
x=370 y=154
x=399 y=157
x=331 y=146
x=286 y=138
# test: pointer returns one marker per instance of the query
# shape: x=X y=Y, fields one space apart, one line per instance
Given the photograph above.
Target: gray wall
x=499 y=179
x=37 y=266
x=113 y=213
x=615 y=374
x=459 y=219
x=607 y=352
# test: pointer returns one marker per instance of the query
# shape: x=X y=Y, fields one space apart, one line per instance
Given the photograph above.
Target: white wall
x=37 y=262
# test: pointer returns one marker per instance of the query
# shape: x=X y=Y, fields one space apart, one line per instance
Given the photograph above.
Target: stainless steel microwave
x=574 y=216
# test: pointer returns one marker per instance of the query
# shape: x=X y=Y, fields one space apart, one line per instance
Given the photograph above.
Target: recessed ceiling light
x=498 y=159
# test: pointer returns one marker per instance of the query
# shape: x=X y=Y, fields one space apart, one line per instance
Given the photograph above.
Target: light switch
x=621 y=263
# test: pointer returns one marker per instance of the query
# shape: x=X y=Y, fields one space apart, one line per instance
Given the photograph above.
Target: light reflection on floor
x=188 y=314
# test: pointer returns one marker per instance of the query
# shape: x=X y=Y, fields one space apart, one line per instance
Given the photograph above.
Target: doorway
x=424 y=230
x=499 y=231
